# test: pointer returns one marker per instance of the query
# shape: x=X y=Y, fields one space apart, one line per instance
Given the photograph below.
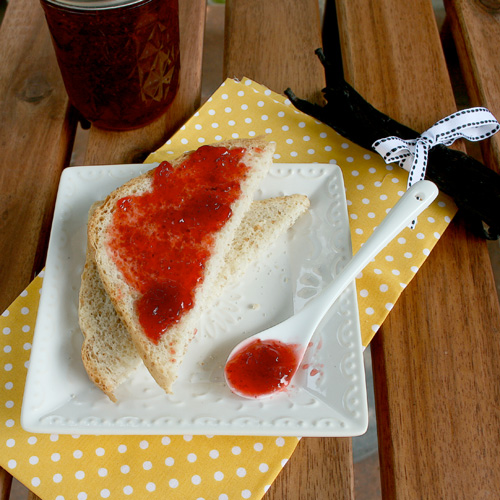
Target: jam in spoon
x=264 y=363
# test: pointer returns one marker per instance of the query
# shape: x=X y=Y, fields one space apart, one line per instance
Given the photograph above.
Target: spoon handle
x=416 y=199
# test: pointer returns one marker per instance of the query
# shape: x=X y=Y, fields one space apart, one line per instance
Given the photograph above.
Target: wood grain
x=436 y=360
x=475 y=26
x=319 y=468
x=252 y=30
x=108 y=147
x=35 y=138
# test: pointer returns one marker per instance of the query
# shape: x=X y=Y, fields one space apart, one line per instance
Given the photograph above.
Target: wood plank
x=436 y=368
x=5 y=484
x=252 y=30
x=314 y=463
x=109 y=147
x=319 y=468
x=35 y=139
x=475 y=26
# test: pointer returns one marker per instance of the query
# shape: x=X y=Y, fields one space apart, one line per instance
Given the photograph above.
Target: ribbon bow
x=473 y=124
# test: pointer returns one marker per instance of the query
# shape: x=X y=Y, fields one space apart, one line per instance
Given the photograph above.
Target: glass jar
x=119 y=59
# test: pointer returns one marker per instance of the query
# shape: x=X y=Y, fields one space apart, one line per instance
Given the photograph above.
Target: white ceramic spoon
x=264 y=364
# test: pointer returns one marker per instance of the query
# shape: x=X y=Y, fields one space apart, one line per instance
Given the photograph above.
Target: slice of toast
x=160 y=240
x=108 y=353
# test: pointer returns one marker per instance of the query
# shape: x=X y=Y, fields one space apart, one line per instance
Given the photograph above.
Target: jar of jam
x=119 y=59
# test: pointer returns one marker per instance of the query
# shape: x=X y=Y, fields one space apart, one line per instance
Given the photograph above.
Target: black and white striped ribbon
x=473 y=124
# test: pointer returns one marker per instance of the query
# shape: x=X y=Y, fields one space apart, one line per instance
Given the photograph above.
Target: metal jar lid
x=94 y=4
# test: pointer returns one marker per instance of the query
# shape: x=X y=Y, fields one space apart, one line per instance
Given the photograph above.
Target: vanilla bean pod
x=474 y=187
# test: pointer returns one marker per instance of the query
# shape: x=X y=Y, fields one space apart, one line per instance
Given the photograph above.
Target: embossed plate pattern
x=328 y=394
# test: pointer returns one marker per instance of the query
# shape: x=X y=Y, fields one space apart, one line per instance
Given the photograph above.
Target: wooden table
x=438 y=389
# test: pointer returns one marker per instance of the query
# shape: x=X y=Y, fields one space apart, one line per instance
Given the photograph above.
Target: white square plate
x=327 y=397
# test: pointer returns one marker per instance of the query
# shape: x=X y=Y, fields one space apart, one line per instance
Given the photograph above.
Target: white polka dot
x=7 y=349
x=302 y=124
x=389 y=258
x=369 y=311
x=169 y=461
x=260 y=104
x=54 y=437
x=187 y=437
x=375 y=328
x=383 y=197
x=10 y=422
x=82 y=495
x=236 y=450
x=9 y=386
x=365 y=201
x=408 y=255
x=8 y=367
x=122 y=448
x=78 y=454
x=57 y=478
x=196 y=479
x=102 y=472
x=173 y=483
x=371 y=215
x=191 y=457
x=125 y=469
x=223 y=496
x=431 y=219
x=241 y=472
x=164 y=440
x=32 y=440
x=10 y=443
x=35 y=481
x=227 y=110
x=293 y=153
x=311 y=151
x=363 y=293
x=285 y=128
x=396 y=272
x=24 y=293
x=246 y=494
x=414 y=268
x=25 y=310
x=280 y=442
x=349 y=159
x=100 y=452
x=360 y=187
x=258 y=446
x=359 y=231
x=218 y=476
x=214 y=454
x=55 y=457
x=211 y=112
x=426 y=251
x=12 y=464
x=105 y=493
x=79 y=474
x=27 y=346
x=5 y=314
x=344 y=145
x=147 y=465
x=6 y=330
x=377 y=271
x=144 y=444
x=128 y=490
x=263 y=467
x=437 y=235
x=354 y=216
x=389 y=306
x=151 y=486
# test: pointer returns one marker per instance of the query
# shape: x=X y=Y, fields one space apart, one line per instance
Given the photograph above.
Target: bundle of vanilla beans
x=474 y=187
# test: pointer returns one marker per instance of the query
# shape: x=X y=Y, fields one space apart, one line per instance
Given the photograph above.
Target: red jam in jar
x=119 y=59
x=161 y=239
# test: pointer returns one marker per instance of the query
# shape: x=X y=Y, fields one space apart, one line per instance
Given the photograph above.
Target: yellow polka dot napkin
x=63 y=467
